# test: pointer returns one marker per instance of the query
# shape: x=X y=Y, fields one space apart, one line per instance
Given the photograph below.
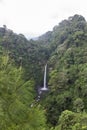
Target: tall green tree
x=18 y=109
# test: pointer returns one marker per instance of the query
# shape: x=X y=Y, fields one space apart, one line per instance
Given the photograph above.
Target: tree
x=16 y=98
x=67 y=120
x=78 y=105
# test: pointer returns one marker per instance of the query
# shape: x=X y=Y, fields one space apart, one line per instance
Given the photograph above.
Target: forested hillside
x=22 y=61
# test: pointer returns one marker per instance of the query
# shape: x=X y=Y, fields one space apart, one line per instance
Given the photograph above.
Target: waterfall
x=44 y=83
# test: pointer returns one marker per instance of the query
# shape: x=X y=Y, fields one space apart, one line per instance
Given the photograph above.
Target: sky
x=35 y=17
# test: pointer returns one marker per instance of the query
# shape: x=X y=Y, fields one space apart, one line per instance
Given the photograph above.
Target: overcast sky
x=35 y=17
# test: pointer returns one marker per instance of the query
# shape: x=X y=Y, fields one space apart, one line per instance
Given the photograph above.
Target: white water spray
x=44 y=83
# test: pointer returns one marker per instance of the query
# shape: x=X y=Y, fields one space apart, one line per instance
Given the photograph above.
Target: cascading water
x=44 y=83
x=44 y=88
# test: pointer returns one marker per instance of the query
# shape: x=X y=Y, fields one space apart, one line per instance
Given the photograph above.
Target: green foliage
x=67 y=120
x=21 y=73
x=72 y=121
x=16 y=98
x=78 y=105
x=67 y=68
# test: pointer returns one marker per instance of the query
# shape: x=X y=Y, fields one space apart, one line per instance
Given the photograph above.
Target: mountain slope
x=67 y=68
x=65 y=51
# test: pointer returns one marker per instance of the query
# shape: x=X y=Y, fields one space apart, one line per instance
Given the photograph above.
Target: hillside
x=22 y=63
x=67 y=68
